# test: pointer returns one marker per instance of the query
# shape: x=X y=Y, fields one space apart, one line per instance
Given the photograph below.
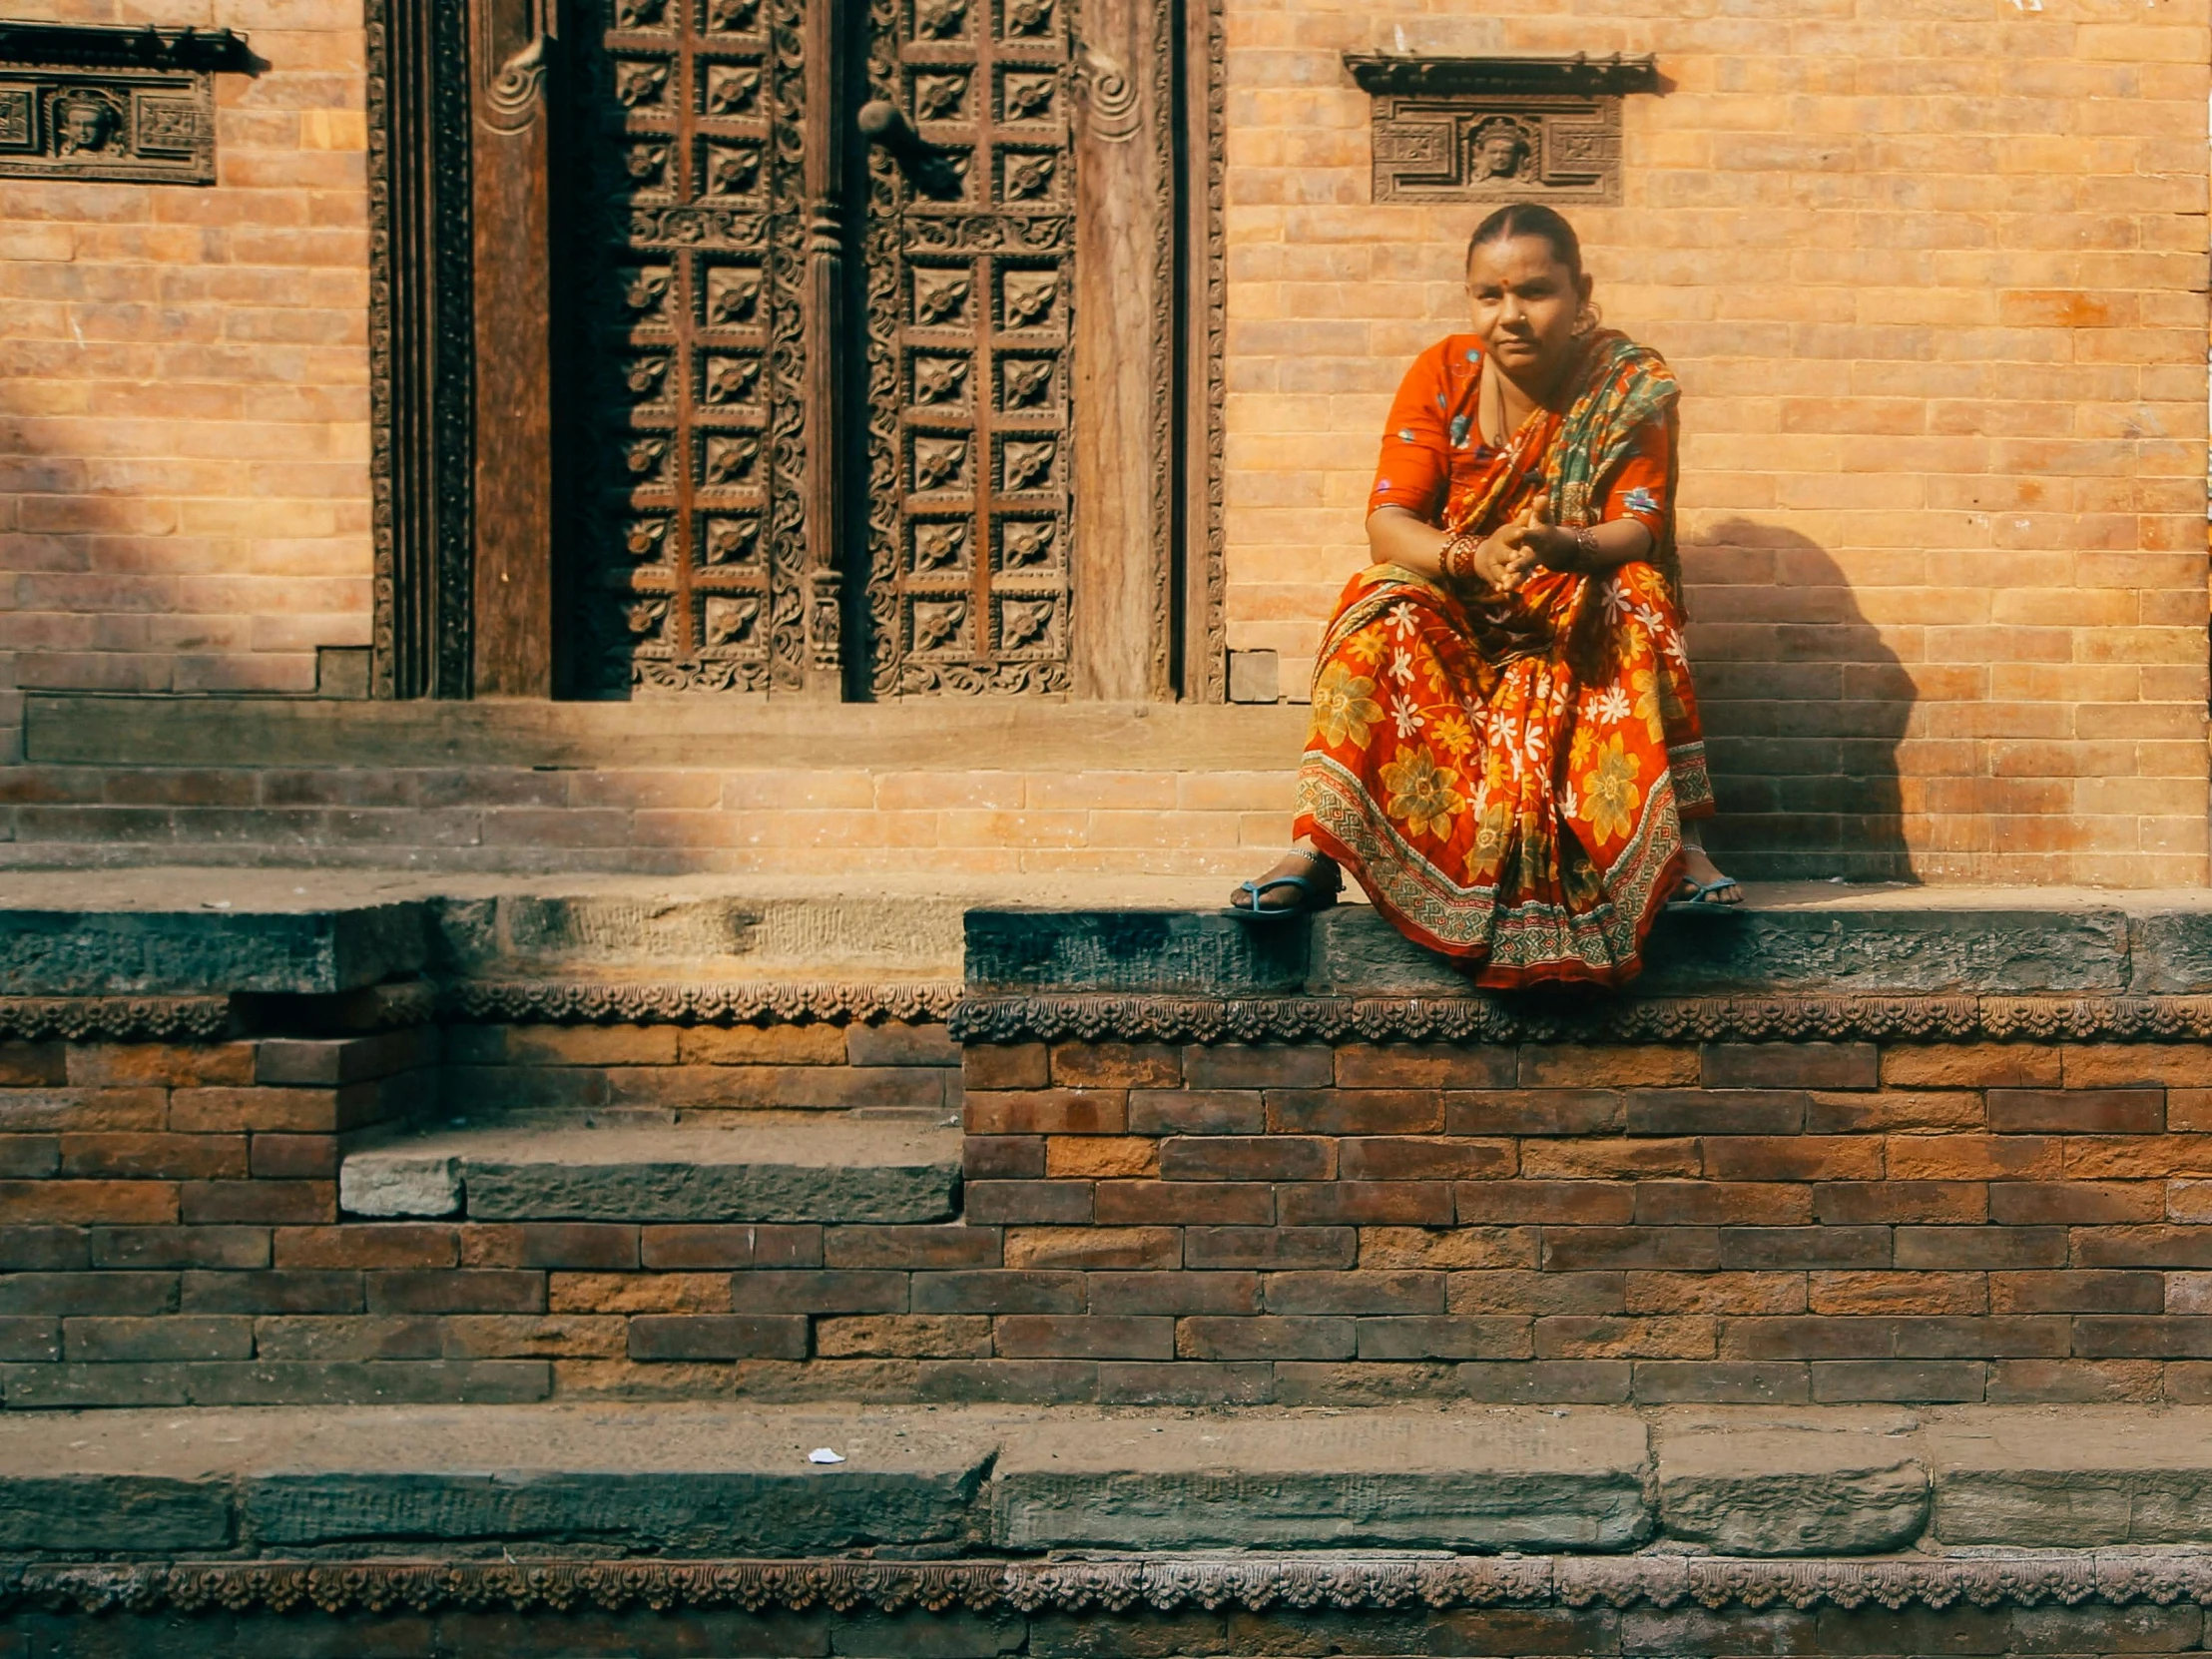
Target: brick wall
x=183 y=404
x=1297 y=1224
x=1934 y=279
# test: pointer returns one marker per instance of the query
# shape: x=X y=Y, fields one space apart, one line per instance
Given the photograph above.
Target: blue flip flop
x=1311 y=896
x=1702 y=895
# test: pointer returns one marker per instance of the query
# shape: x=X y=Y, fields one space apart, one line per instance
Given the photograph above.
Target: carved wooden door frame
x=461 y=375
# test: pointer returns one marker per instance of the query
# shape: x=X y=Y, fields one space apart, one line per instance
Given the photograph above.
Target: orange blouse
x=1434 y=460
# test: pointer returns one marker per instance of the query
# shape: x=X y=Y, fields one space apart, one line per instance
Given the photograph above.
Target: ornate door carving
x=688 y=308
x=968 y=246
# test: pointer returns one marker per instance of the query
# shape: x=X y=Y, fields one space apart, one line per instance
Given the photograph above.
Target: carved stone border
x=114 y=1018
x=585 y=1003
x=1679 y=1019
x=1162 y=1583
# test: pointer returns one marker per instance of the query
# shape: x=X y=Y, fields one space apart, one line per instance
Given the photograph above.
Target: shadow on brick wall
x=1804 y=708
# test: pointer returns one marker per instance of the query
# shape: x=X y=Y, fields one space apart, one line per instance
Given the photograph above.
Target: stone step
x=738 y=1480
x=780 y=1167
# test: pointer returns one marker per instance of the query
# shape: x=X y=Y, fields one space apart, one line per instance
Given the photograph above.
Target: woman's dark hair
x=1530 y=219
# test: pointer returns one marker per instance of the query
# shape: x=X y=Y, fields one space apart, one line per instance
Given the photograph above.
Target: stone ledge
x=1792 y=1487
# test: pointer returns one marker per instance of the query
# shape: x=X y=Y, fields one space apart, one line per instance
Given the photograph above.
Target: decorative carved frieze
x=1499 y=129
x=1111 y=1586
x=109 y=102
x=114 y=1018
x=593 y=1002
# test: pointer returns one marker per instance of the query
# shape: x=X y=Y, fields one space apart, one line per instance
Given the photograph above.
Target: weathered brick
x=51 y=1249
x=167 y=1336
x=903 y=1337
x=1892 y=1111
x=729 y=1245
x=1083 y=1337
x=1792 y=1158
x=2135 y=1065
x=32 y=1156
x=1541 y=1382
x=1197 y=1112
x=294 y=1157
x=1101 y=1157
x=459 y=1290
x=897 y=1043
x=1364 y=1203
x=1047 y=1112
x=1443 y=1337
x=637 y=1292
x=341 y=1338
x=1259 y=1066
x=280 y=1291
x=1565 y=1066
x=88 y=1292
x=53 y=1111
x=1007 y=1290
x=81 y=1203
x=2077 y=1110
x=1270 y=1246
x=1355 y=1112
x=1205 y=1337
x=1094 y=1247
x=1973 y=1157
x=1970 y=1066
x=1877 y=1292
x=1424 y=1158
x=1175 y=1293
x=2072 y=1382
x=2030 y=1202
x=289 y=1110
x=1859 y=1203
x=1582 y=1160
x=1363 y=1292
x=1183 y=1203
x=1567 y=1203
x=813 y=1044
x=823 y=1291
x=1248 y=1157
x=1185 y=1382
x=1811 y=1065
x=1710 y=1293
x=1721 y=1383
x=26 y=1340
x=1722 y=1203
x=2139 y=1337
x=1043 y=1203
x=1535 y=1112
x=1116 y=1065
x=1983 y=1249
x=1567 y=1249
x=1452 y=1247
x=2077 y=1291
x=31 y=1065
x=1767 y=1248
x=956 y=1246
x=1612 y=1336
x=330 y=1061
x=1005 y=1066
x=1002 y=1156
x=1714 y=1111
x=164 y=1066
x=717 y=1337
x=275 y=1203
x=1424 y=1067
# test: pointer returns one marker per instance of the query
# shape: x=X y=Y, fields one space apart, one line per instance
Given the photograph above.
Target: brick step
x=881 y=1167
x=704 y=1479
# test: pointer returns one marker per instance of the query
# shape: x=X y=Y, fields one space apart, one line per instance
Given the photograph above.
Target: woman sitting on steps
x=1504 y=748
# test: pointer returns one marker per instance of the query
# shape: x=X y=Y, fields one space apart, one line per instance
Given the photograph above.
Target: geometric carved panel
x=686 y=557
x=111 y=103
x=970 y=286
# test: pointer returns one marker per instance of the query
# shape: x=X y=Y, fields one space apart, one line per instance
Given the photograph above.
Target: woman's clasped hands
x=1505 y=559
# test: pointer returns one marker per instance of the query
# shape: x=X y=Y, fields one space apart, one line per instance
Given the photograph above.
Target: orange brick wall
x=183 y=386
x=1934 y=278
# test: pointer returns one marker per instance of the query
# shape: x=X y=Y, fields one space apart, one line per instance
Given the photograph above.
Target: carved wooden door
x=687 y=301
x=967 y=252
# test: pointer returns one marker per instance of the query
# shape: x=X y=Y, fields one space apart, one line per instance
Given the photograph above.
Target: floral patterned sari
x=1506 y=774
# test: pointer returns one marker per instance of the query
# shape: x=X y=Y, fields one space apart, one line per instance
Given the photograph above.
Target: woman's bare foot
x=1306 y=863
x=1713 y=887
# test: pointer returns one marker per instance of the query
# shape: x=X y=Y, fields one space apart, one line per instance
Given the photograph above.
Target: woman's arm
x=1397 y=537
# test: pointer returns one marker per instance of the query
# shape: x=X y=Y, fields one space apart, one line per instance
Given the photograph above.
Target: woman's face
x=1525 y=306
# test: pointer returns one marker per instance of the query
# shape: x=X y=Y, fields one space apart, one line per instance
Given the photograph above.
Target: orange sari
x=1506 y=774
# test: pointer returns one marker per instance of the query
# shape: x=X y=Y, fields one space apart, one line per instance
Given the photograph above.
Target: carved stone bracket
x=97 y=103
x=1498 y=129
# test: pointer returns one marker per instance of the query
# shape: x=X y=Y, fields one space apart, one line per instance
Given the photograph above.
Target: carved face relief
x=732 y=379
x=939 y=97
x=640 y=85
x=732 y=89
x=1028 y=298
x=1027 y=381
x=1029 y=97
x=940 y=624
x=940 y=546
x=1028 y=17
x=1501 y=150
x=1027 y=177
x=940 y=463
x=648 y=292
x=729 y=460
x=733 y=295
x=645 y=538
x=732 y=17
x=83 y=124
x=940 y=297
x=939 y=379
x=731 y=541
x=645 y=457
x=940 y=19
x=732 y=170
x=1028 y=466
x=1024 y=623
x=1026 y=544
x=729 y=621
